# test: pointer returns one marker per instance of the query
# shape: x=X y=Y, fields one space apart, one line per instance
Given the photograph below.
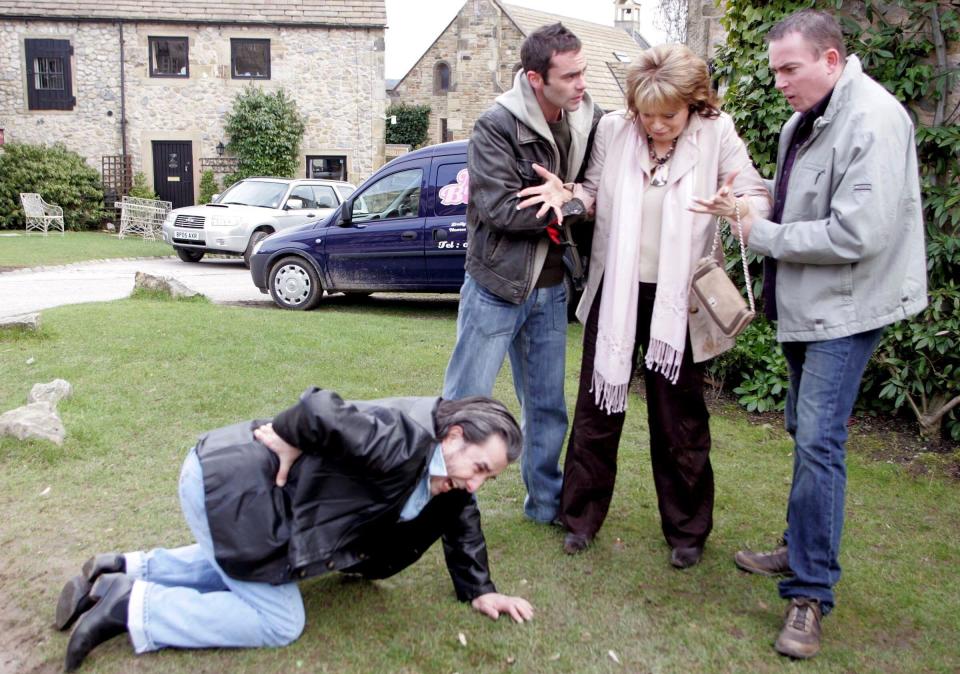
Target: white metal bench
x=40 y=215
x=141 y=216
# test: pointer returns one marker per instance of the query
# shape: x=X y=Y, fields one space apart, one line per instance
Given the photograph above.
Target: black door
x=173 y=171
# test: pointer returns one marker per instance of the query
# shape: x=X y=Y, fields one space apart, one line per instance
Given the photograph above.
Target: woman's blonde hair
x=667 y=77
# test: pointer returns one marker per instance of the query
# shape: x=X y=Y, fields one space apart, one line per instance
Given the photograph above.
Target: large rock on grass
x=51 y=392
x=162 y=284
x=29 y=322
x=36 y=421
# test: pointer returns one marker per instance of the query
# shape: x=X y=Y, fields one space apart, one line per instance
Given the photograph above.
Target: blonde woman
x=649 y=162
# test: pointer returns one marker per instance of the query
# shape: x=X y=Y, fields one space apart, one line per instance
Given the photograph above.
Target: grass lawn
x=149 y=375
x=35 y=250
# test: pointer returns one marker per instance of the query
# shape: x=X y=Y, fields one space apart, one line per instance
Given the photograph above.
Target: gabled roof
x=328 y=13
x=600 y=46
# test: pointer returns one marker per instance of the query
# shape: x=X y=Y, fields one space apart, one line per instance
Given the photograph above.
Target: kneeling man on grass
x=358 y=487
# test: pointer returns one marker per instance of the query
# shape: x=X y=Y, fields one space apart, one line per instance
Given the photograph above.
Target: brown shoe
x=576 y=543
x=764 y=563
x=800 y=636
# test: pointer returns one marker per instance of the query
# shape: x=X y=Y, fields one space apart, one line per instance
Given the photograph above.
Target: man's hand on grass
x=288 y=453
x=493 y=604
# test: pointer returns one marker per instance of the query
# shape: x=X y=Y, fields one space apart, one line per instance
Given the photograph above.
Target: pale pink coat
x=707 y=151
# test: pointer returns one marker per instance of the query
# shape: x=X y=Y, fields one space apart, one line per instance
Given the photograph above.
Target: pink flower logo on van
x=456 y=193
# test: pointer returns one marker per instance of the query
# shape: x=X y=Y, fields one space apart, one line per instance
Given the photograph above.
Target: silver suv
x=249 y=211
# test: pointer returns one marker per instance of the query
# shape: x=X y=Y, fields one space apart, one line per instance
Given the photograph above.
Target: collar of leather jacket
x=521 y=102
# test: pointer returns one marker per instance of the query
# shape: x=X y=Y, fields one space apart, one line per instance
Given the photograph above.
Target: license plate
x=187 y=234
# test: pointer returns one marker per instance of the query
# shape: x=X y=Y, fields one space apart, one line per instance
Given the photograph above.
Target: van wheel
x=255 y=238
x=294 y=284
x=189 y=255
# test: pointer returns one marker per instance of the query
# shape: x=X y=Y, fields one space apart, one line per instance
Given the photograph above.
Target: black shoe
x=684 y=558
x=107 y=562
x=74 y=600
x=107 y=619
x=75 y=595
x=576 y=543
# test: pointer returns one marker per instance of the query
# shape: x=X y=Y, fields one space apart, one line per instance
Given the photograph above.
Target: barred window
x=49 y=82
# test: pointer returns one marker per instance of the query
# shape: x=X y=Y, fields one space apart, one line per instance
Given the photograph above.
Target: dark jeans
x=824 y=381
x=679 y=444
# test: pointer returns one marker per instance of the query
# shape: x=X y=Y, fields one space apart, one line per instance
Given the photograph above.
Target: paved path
x=25 y=291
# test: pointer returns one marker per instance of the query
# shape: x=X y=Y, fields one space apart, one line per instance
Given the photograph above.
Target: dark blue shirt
x=800 y=136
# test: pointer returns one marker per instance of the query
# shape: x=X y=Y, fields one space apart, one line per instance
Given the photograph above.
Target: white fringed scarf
x=621 y=278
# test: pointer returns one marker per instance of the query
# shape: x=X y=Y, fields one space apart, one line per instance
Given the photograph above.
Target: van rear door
x=446 y=230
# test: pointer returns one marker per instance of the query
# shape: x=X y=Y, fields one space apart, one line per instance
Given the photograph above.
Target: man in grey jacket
x=513 y=298
x=846 y=242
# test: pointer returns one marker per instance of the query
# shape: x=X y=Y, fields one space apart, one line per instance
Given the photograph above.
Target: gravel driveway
x=25 y=291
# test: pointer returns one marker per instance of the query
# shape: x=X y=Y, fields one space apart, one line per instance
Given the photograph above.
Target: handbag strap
x=743 y=250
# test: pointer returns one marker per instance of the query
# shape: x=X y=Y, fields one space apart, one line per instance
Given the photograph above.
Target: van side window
x=453 y=189
x=394 y=196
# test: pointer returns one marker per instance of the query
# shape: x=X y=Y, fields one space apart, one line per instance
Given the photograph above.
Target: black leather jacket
x=503 y=240
x=340 y=508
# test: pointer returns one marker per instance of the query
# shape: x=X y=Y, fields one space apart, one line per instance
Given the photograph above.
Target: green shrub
x=754 y=368
x=140 y=188
x=208 y=187
x=265 y=132
x=413 y=123
x=57 y=174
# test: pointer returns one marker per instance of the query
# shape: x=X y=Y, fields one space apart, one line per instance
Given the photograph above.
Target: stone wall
x=482 y=48
x=92 y=128
x=704 y=31
x=335 y=76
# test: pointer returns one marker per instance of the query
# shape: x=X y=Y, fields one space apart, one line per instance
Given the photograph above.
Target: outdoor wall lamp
x=220 y=149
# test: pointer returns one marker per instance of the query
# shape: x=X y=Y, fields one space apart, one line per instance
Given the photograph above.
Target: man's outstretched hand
x=493 y=604
x=551 y=195
x=288 y=453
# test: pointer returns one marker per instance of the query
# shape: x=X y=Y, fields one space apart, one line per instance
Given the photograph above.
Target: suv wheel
x=255 y=238
x=294 y=284
x=189 y=255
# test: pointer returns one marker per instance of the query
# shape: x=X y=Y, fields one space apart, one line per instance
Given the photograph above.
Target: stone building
x=475 y=59
x=153 y=82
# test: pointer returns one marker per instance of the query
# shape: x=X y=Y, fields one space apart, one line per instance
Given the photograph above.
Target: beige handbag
x=717 y=294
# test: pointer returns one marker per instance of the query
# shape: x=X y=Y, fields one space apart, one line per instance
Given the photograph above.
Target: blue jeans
x=824 y=381
x=535 y=335
x=183 y=599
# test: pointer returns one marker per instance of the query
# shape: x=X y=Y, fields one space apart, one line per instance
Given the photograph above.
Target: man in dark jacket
x=359 y=487
x=513 y=298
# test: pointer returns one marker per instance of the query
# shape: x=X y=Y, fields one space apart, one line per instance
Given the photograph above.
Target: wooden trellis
x=117 y=173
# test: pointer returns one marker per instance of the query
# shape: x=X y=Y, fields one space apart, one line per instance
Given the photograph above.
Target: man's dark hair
x=540 y=46
x=480 y=417
x=818 y=28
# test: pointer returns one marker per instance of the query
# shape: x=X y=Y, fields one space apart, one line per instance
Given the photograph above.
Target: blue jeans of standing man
x=824 y=381
x=183 y=599
x=534 y=333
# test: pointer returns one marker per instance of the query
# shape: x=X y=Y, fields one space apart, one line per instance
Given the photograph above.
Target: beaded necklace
x=660 y=172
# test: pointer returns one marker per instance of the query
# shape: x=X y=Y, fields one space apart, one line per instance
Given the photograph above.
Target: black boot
x=107 y=619
x=107 y=562
x=75 y=595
